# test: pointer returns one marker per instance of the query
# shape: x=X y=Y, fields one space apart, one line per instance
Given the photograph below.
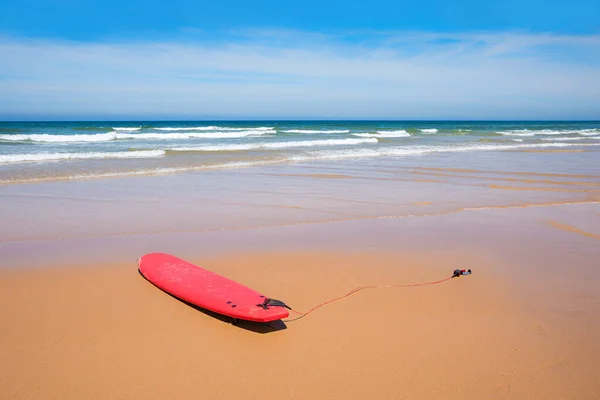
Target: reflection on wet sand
x=488 y=178
x=462 y=170
x=549 y=151
x=318 y=176
x=545 y=189
x=374 y=178
x=307 y=222
x=570 y=228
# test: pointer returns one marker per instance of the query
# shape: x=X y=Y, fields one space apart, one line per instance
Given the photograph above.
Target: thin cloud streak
x=311 y=75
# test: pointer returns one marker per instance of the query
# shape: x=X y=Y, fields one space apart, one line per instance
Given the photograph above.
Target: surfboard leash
x=456 y=274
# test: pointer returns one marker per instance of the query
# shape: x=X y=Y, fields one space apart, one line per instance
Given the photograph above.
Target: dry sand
x=99 y=332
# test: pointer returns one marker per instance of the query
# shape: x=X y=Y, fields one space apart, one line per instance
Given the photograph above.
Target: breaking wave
x=569 y=139
x=316 y=131
x=48 y=138
x=418 y=150
x=276 y=145
x=213 y=128
x=527 y=132
x=195 y=135
x=46 y=157
x=106 y=137
x=384 y=134
x=127 y=129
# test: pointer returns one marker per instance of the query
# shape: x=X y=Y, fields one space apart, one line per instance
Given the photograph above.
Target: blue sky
x=274 y=59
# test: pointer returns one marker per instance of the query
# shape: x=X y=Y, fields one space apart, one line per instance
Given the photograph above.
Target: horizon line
x=299 y=120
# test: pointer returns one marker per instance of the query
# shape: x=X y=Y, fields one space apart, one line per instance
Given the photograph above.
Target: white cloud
x=271 y=74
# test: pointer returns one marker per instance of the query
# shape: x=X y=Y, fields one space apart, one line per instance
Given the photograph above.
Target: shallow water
x=37 y=152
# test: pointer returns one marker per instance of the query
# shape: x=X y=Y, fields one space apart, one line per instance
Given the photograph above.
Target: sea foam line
x=589 y=132
x=527 y=132
x=569 y=139
x=47 y=138
x=48 y=157
x=316 y=131
x=214 y=128
x=127 y=129
x=428 y=130
x=195 y=135
x=517 y=132
x=384 y=134
x=276 y=145
x=106 y=137
x=418 y=150
x=145 y=172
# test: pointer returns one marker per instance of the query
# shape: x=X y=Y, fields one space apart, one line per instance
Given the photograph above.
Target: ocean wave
x=145 y=172
x=92 y=128
x=428 y=130
x=314 y=155
x=316 y=131
x=214 y=128
x=105 y=137
x=589 y=132
x=569 y=139
x=418 y=150
x=195 y=135
x=517 y=132
x=127 y=129
x=48 y=138
x=46 y=157
x=384 y=134
x=527 y=132
x=276 y=145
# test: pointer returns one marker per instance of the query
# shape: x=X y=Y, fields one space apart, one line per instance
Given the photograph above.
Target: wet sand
x=80 y=322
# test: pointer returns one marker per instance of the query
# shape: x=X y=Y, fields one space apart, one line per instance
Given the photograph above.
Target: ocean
x=48 y=151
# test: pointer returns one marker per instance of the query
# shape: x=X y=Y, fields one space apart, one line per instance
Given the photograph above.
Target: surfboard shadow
x=256 y=327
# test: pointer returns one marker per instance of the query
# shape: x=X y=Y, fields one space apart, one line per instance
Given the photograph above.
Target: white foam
x=568 y=139
x=316 y=131
x=552 y=132
x=589 y=132
x=127 y=129
x=527 y=132
x=214 y=128
x=384 y=134
x=47 y=138
x=105 y=137
x=517 y=132
x=277 y=145
x=309 y=156
x=47 y=157
x=145 y=172
x=419 y=150
x=188 y=128
x=430 y=130
x=194 y=135
x=517 y=140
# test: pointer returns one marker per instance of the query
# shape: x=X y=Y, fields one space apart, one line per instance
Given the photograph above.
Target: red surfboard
x=208 y=290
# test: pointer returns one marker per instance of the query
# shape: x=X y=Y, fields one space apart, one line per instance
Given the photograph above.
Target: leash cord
x=358 y=289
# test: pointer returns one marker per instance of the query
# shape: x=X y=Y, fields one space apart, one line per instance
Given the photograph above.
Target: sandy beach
x=80 y=322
